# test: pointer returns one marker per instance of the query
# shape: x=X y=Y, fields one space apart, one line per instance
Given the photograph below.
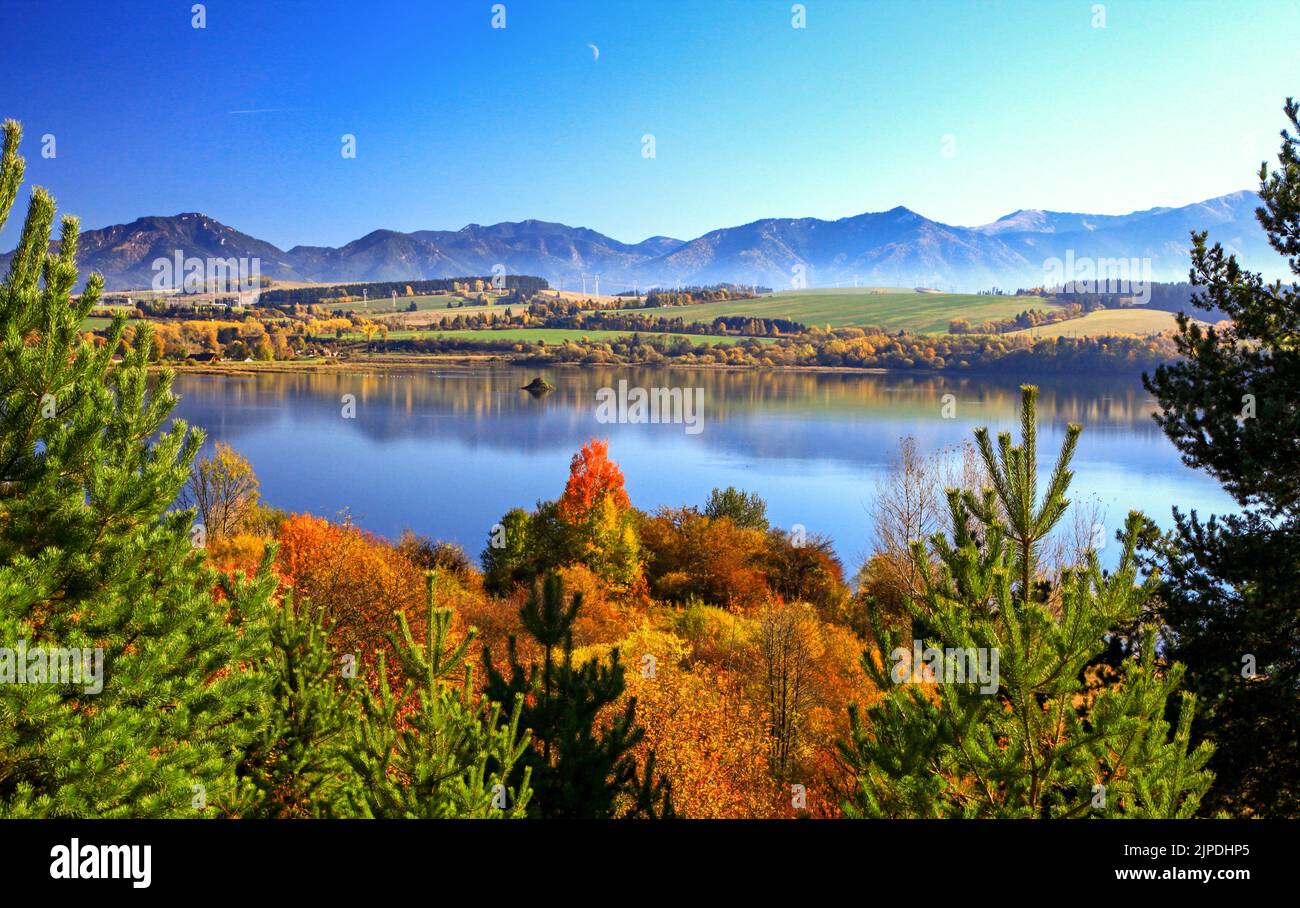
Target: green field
x=1136 y=321
x=921 y=313
x=550 y=335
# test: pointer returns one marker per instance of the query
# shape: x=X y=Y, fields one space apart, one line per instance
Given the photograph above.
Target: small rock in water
x=538 y=386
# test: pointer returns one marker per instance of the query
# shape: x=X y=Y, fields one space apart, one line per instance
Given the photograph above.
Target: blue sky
x=457 y=122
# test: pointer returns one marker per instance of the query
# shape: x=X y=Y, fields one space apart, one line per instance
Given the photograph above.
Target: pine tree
x=91 y=558
x=1031 y=737
x=578 y=770
x=435 y=750
x=1231 y=405
x=296 y=765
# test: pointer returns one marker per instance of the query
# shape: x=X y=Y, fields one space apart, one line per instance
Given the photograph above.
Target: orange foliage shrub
x=600 y=620
x=736 y=649
x=687 y=554
x=707 y=738
x=358 y=578
x=494 y=619
x=241 y=552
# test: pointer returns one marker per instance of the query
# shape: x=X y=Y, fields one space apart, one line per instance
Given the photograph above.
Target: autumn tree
x=805 y=568
x=593 y=478
x=592 y=523
x=608 y=541
x=906 y=508
x=223 y=490
x=997 y=718
x=787 y=647
x=909 y=507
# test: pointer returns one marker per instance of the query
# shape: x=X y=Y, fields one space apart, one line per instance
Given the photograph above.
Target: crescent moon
x=595 y=51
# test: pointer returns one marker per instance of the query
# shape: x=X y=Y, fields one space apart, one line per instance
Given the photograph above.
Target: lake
x=447 y=451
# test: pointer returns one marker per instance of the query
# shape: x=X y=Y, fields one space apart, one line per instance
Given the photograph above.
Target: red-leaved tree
x=592 y=478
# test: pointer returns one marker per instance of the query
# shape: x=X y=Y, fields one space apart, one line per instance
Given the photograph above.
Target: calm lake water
x=446 y=452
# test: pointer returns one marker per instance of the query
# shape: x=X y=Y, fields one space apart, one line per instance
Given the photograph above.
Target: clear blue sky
x=457 y=122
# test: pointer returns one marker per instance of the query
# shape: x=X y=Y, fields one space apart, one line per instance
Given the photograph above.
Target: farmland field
x=429 y=315
x=1136 y=321
x=923 y=313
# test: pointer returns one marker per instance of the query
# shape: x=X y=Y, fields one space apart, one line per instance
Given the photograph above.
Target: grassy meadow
x=919 y=313
x=1105 y=322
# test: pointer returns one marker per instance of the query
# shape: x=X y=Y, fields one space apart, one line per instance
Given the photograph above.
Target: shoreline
x=412 y=363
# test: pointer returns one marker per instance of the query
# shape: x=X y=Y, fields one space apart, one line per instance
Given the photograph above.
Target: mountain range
x=897 y=248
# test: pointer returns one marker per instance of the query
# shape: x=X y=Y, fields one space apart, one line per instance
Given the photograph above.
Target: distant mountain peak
x=898 y=247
